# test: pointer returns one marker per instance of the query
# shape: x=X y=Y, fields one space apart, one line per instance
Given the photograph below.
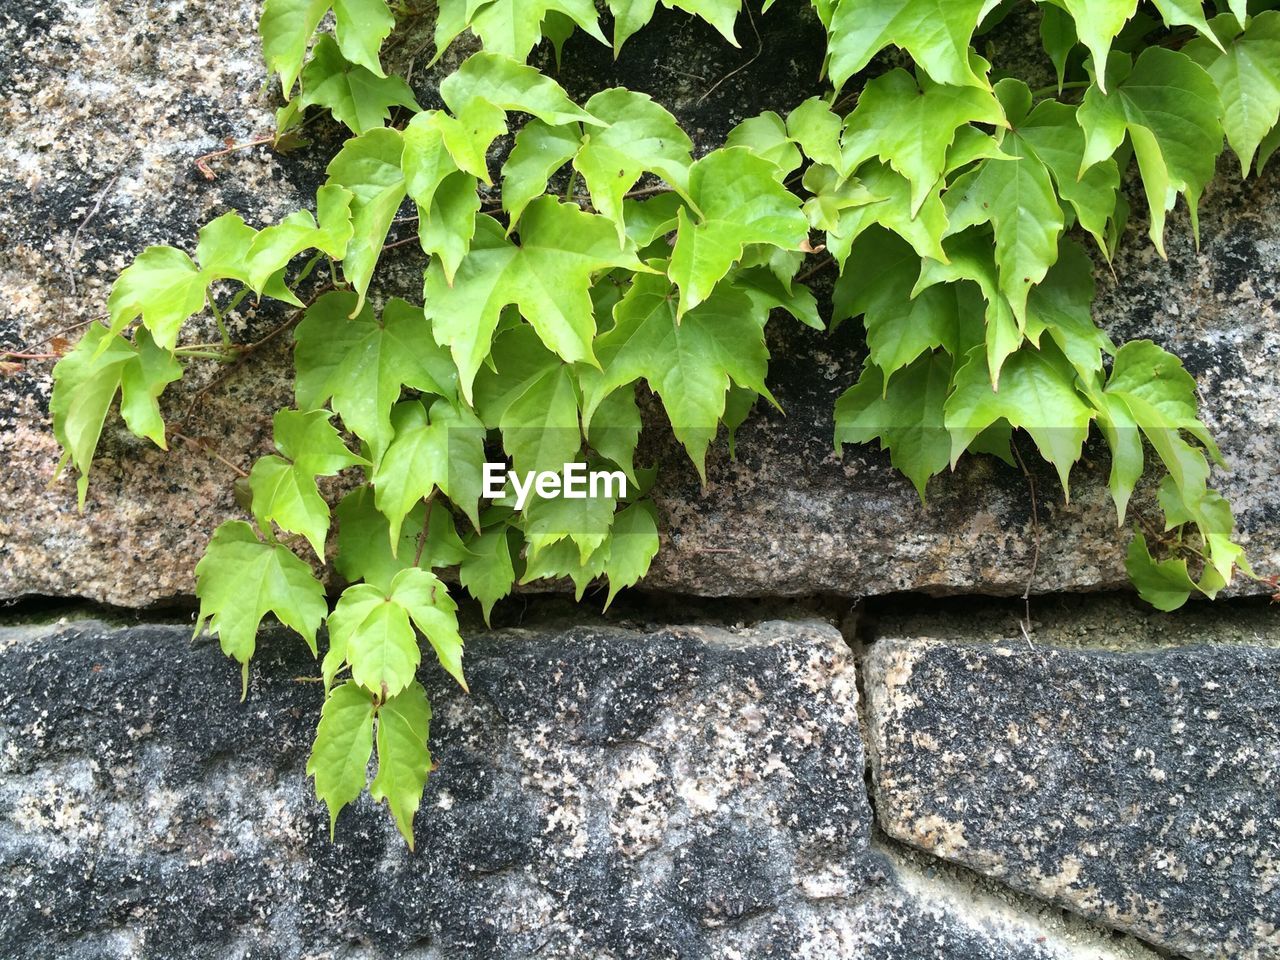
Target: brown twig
x=10 y=355
x=398 y=243
x=815 y=269
x=754 y=57
x=202 y=161
x=75 y=238
x=204 y=448
x=426 y=527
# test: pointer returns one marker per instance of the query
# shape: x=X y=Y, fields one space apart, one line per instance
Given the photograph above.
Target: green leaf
x=287 y=25
x=290 y=498
x=514 y=27
x=768 y=292
x=924 y=231
x=630 y=15
x=1017 y=198
x=445 y=228
x=271 y=249
x=1037 y=393
x=615 y=429
x=339 y=758
x=740 y=202
x=815 y=129
x=1165 y=585
x=163 y=287
x=1169 y=107
x=364 y=363
x=487 y=572
x=911 y=125
x=240 y=579
x=434 y=613
x=547 y=275
x=633 y=543
x=766 y=137
x=415 y=463
x=510 y=84
x=563 y=560
x=86 y=381
x=364 y=548
x=901 y=324
x=689 y=364
x=905 y=414
x=1052 y=134
x=354 y=95
x=369 y=166
x=404 y=761
x=1097 y=23
x=641 y=137
x=1058 y=36
x=371 y=630
x=1062 y=307
x=540 y=150
x=936 y=33
x=540 y=428
x=1248 y=79
x=585 y=522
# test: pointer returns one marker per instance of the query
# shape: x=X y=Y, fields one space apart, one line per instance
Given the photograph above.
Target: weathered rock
x=90 y=175
x=1121 y=764
x=603 y=793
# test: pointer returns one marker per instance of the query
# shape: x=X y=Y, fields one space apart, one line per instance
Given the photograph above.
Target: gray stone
x=1119 y=763
x=89 y=174
x=603 y=793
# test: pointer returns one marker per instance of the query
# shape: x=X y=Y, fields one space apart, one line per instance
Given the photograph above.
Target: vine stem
x=202 y=161
x=1055 y=89
x=426 y=526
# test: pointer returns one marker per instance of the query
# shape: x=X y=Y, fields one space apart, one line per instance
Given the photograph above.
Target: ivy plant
x=958 y=206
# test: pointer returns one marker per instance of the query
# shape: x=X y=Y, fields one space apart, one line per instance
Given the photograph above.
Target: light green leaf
x=1169 y=107
x=924 y=231
x=339 y=758
x=1058 y=36
x=768 y=292
x=363 y=364
x=633 y=543
x=354 y=95
x=404 y=762
x=615 y=429
x=445 y=229
x=547 y=276
x=240 y=579
x=369 y=166
x=86 y=381
x=936 y=33
x=271 y=249
x=585 y=522
x=540 y=150
x=540 y=429
x=689 y=364
x=163 y=287
x=911 y=126
x=487 y=572
x=364 y=547
x=1165 y=585
x=630 y=15
x=905 y=414
x=1037 y=393
x=640 y=137
x=510 y=84
x=1097 y=23
x=416 y=462
x=434 y=613
x=372 y=630
x=816 y=130
x=766 y=137
x=288 y=496
x=740 y=202
x=287 y=25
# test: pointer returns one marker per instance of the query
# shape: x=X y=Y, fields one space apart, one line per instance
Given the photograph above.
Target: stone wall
x=833 y=762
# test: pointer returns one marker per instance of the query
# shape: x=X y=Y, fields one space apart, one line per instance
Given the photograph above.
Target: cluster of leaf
x=946 y=198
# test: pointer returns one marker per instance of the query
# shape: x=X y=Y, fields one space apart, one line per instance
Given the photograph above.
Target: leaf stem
x=213 y=307
x=1055 y=89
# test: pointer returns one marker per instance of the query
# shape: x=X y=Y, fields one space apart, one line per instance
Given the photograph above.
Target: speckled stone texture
x=679 y=792
x=1113 y=765
x=105 y=106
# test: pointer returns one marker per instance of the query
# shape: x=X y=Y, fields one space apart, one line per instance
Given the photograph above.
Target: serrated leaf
x=641 y=137
x=740 y=202
x=615 y=429
x=902 y=324
x=286 y=495
x=633 y=543
x=272 y=249
x=689 y=364
x=1248 y=79
x=364 y=548
x=766 y=136
x=1058 y=36
x=768 y=292
x=287 y=25
x=446 y=227
x=815 y=129
x=1169 y=107
x=514 y=27
x=510 y=84
x=892 y=210
x=164 y=287
x=540 y=428
x=487 y=572
x=372 y=632
x=1098 y=22
x=630 y=15
x=936 y=33
x=1018 y=200
x=357 y=97
x=434 y=613
x=910 y=125
x=404 y=761
x=416 y=462
x=905 y=414
x=1061 y=306
x=240 y=579
x=583 y=521
x=547 y=275
x=563 y=560
x=339 y=759
x=540 y=150
x=364 y=363
x=1037 y=393
x=1165 y=584
x=85 y=383
x=370 y=167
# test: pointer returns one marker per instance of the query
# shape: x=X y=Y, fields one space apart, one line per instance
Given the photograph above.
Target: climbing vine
x=955 y=202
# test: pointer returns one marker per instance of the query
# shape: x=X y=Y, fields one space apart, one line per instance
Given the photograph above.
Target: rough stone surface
x=1116 y=764
x=89 y=176
x=603 y=793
